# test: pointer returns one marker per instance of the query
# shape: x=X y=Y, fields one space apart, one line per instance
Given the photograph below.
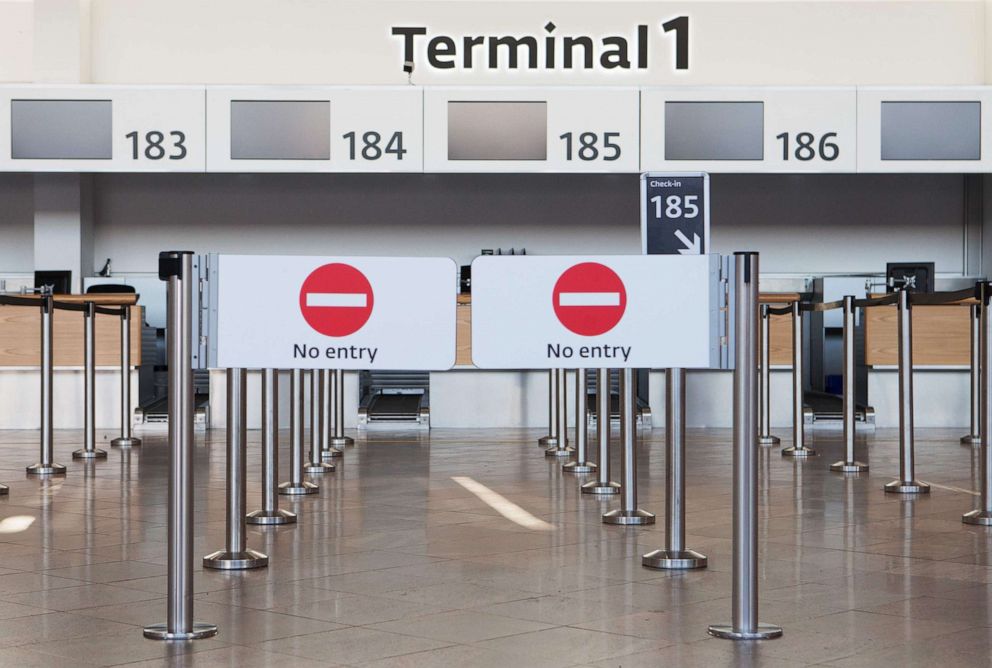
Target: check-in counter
x=941 y=335
x=20 y=355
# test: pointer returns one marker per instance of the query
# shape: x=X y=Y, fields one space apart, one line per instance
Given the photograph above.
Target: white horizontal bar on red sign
x=589 y=299
x=338 y=299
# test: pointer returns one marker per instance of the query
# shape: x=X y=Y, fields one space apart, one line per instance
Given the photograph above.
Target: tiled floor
x=395 y=564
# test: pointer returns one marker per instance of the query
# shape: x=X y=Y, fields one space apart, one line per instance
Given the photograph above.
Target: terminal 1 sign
x=292 y=312
x=533 y=312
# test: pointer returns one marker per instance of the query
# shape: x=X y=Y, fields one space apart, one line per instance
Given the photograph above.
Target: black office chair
x=103 y=288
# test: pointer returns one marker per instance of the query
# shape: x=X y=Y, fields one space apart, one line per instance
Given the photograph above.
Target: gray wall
x=16 y=223
x=801 y=224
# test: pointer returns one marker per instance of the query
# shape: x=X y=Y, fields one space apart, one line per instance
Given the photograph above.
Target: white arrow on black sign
x=692 y=246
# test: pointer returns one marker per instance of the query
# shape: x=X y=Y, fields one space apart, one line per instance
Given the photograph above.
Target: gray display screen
x=61 y=130
x=497 y=130
x=931 y=130
x=280 y=130
x=714 y=130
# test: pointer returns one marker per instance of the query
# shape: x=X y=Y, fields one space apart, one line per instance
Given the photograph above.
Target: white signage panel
x=531 y=129
x=925 y=129
x=300 y=312
x=102 y=128
x=364 y=128
x=738 y=129
x=545 y=312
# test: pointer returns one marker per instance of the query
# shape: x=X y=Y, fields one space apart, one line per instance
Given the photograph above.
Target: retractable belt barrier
x=47 y=305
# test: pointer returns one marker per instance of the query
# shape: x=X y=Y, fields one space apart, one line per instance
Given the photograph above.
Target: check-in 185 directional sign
x=289 y=312
x=640 y=311
x=675 y=213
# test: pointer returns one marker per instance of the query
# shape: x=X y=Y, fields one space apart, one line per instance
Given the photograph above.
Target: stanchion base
x=294 y=489
x=971 y=439
x=979 y=517
x=769 y=440
x=318 y=467
x=162 y=632
x=330 y=453
x=674 y=561
x=578 y=467
x=341 y=441
x=793 y=451
x=601 y=488
x=559 y=452
x=849 y=467
x=46 y=469
x=907 y=487
x=271 y=517
x=89 y=454
x=547 y=441
x=629 y=517
x=223 y=560
x=762 y=632
x=125 y=442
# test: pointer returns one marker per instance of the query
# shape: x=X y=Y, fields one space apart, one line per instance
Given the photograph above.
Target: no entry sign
x=286 y=312
x=533 y=312
x=589 y=299
x=336 y=299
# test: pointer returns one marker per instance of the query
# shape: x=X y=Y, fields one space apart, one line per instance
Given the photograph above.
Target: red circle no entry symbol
x=589 y=299
x=336 y=299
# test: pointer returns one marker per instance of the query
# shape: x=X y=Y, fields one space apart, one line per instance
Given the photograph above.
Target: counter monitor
x=932 y=130
x=714 y=130
x=61 y=129
x=497 y=130
x=280 y=130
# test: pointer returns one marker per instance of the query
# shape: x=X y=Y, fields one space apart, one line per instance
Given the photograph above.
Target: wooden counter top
x=99 y=298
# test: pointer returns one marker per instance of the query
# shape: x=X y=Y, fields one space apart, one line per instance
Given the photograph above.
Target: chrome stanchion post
x=628 y=513
x=675 y=556
x=561 y=448
x=745 y=624
x=89 y=449
x=127 y=439
x=974 y=437
x=552 y=437
x=236 y=555
x=339 y=440
x=849 y=464
x=983 y=514
x=798 y=447
x=325 y=393
x=765 y=436
x=581 y=463
x=907 y=482
x=270 y=512
x=176 y=267
x=316 y=465
x=296 y=484
x=46 y=466
x=602 y=485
